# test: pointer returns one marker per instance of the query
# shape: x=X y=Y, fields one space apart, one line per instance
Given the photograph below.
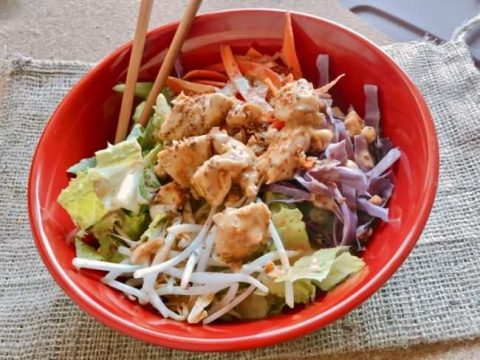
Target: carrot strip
x=273 y=89
x=231 y=66
x=278 y=124
x=218 y=84
x=216 y=67
x=178 y=85
x=259 y=72
x=288 y=53
x=265 y=60
x=288 y=79
x=238 y=80
x=253 y=53
x=205 y=74
x=328 y=86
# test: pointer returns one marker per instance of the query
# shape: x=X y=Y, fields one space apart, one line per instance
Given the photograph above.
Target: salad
x=248 y=192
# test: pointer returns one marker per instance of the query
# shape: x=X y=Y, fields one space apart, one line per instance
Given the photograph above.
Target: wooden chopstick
x=171 y=56
x=133 y=68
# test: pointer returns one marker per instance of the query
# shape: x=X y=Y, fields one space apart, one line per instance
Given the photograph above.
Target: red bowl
x=86 y=119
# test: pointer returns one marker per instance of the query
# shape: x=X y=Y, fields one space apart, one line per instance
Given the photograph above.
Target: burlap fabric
x=434 y=296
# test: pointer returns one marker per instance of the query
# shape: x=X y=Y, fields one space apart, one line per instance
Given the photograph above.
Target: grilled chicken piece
x=195 y=115
x=283 y=156
x=181 y=159
x=234 y=164
x=296 y=103
x=171 y=197
x=246 y=115
x=241 y=232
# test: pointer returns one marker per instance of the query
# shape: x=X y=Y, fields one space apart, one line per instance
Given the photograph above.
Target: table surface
x=87 y=30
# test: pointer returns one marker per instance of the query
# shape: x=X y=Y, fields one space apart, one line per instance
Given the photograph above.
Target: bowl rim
x=269 y=337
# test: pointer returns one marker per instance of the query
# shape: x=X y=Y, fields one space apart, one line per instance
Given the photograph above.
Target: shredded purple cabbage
x=372 y=111
x=373 y=210
x=295 y=194
x=385 y=163
x=362 y=155
x=345 y=176
x=322 y=64
x=341 y=134
x=337 y=151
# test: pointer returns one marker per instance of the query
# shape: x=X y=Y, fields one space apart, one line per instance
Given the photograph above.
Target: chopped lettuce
x=85 y=251
x=142 y=89
x=303 y=290
x=108 y=249
x=148 y=136
x=121 y=179
x=119 y=176
x=155 y=228
x=82 y=165
x=161 y=111
x=134 y=225
x=138 y=112
x=326 y=267
x=288 y=221
x=82 y=202
x=253 y=307
x=343 y=266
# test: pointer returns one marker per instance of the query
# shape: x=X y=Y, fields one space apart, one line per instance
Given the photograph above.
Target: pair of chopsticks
x=136 y=59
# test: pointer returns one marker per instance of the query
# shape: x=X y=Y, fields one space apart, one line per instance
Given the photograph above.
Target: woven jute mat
x=433 y=297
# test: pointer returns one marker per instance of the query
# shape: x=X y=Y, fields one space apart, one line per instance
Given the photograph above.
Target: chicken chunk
x=171 y=197
x=182 y=159
x=283 y=156
x=246 y=115
x=241 y=232
x=297 y=103
x=195 y=115
x=234 y=164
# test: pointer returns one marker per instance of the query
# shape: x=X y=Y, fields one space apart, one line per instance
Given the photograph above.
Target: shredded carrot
x=239 y=81
x=229 y=63
x=216 y=67
x=178 y=85
x=259 y=72
x=288 y=53
x=218 y=84
x=288 y=79
x=265 y=60
x=205 y=74
x=278 y=124
x=253 y=53
x=326 y=87
x=273 y=89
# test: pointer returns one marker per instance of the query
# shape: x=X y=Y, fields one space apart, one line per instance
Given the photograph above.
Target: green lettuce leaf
x=343 y=266
x=82 y=202
x=155 y=228
x=161 y=112
x=147 y=137
x=142 y=89
x=326 y=267
x=82 y=165
x=288 y=221
x=314 y=267
x=253 y=307
x=119 y=176
x=303 y=290
x=134 y=225
x=104 y=227
x=108 y=249
x=138 y=112
x=85 y=251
